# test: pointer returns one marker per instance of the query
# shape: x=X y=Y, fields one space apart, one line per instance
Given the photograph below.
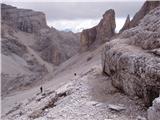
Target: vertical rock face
x=106 y=27
x=133 y=60
x=23 y=19
x=126 y=24
x=100 y=33
x=146 y=8
x=88 y=36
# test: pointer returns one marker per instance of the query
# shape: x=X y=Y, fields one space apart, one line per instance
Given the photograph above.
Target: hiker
x=41 y=89
x=75 y=74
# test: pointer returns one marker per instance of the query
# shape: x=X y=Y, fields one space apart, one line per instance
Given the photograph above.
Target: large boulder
x=91 y=38
x=132 y=60
x=154 y=110
x=146 y=8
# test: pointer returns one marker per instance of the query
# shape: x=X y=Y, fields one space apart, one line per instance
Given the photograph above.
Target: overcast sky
x=80 y=15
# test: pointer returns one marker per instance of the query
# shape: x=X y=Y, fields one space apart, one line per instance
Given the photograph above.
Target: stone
x=23 y=19
x=56 y=47
x=145 y=9
x=106 y=27
x=30 y=48
x=92 y=103
x=104 y=31
x=126 y=24
x=126 y=61
x=117 y=108
x=88 y=36
x=10 y=46
x=154 y=110
x=141 y=118
x=36 y=114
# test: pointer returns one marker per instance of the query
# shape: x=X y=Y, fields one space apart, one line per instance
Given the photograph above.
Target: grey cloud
x=81 y=10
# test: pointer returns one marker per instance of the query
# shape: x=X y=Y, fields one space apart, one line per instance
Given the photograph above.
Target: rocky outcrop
x=23 y=19
x=88 y=37
x=100 y=33
x=154 y=110
x=146 y=8
x=126 y=24
x=130 y=62
x=106 y=27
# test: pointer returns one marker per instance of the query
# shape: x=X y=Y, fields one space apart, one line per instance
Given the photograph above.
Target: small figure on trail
x=41 y=89
x=75 y=74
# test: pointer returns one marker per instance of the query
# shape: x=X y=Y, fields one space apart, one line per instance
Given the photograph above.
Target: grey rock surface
x=129 y=62
x=154 y=110
x=126 y=24
x=55 y=47
x=93 y=37
x=145 y=9
x=23 y=19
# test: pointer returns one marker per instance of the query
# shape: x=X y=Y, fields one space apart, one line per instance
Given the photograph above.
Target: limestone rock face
x=106 y=27
x=23 y=19
x=88 y=37
x=100 y=33
x=146 y=8
x=154 y=110
x=131 y=60
x=126 y=24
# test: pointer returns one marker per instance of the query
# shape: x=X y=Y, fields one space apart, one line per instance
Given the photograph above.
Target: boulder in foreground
x=129 y=60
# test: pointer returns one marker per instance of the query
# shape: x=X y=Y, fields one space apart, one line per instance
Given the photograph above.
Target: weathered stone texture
x=146 y=8
x=126 y=24
x=130 y=61
x=100 y=33
x=154 y=110
x=23 y=19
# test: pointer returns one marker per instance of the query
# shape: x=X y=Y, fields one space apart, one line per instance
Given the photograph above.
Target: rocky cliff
x=23 y=19
x=30 y=49
x=146 y=8
x=126 y=24
x=100 y=33
x=133 y=59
